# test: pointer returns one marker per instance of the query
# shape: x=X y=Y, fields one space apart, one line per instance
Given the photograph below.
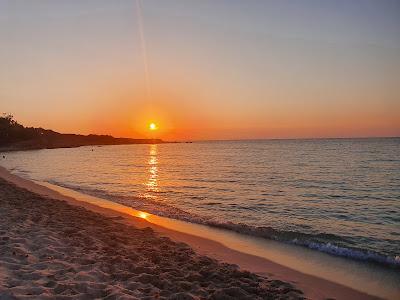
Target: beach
x=200 y=150
x=53 y=246
x=50 y=248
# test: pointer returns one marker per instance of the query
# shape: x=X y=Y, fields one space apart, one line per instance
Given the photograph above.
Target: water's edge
x=311 y=241
x=369 y=278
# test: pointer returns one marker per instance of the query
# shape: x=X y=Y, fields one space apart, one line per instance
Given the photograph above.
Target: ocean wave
x=323 y=242
x=351 y=253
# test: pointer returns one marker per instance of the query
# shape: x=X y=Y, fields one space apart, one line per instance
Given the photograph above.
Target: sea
x=338 y=196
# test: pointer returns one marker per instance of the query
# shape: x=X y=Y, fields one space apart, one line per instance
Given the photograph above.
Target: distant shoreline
x=16 y=137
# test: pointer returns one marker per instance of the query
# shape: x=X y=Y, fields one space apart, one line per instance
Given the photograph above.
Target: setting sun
x=153 y=126
x=266 y=119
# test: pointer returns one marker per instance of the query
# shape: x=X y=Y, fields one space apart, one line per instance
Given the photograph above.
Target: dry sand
x=51 y=249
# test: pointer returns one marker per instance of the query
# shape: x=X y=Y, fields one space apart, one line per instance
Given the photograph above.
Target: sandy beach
x=200 y=150
x=55 y=246
x=50 y=248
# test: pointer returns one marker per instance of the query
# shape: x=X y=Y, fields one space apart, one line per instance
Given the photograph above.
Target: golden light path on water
x=152 y=182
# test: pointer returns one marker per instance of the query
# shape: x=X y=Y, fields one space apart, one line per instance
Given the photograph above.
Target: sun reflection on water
x=143 y=215
x=152 y=182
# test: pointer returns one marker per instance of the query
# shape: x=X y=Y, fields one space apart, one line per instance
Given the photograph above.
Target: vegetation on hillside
x=13 y=132
x=14 y=136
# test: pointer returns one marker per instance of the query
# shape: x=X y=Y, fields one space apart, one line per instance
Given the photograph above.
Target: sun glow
x=153 y=126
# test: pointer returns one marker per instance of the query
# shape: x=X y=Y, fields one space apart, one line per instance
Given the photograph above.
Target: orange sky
x=226 y=70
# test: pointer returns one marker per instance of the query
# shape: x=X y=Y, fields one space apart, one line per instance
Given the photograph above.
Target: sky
x=211 y=69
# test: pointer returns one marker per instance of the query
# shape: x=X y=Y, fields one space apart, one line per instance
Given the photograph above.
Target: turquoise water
x=340 y=196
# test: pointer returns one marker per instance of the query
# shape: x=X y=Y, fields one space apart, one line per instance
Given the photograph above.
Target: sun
x=153 y=126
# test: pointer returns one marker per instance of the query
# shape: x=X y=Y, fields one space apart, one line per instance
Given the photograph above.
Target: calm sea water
x=340 y=196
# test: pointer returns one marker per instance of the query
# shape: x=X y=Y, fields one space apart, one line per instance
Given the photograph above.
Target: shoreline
x=52 y=249
x=313 y=287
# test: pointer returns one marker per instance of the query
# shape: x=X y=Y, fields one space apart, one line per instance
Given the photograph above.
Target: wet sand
x=71 y=250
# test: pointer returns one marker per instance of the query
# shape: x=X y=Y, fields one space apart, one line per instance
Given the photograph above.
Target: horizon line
x=272 y=139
